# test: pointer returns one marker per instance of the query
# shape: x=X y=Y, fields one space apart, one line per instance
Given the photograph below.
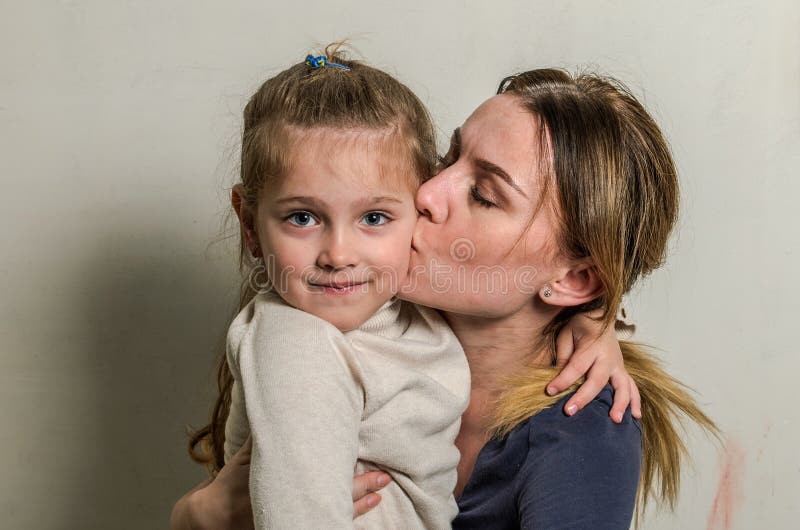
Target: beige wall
x=118 y=125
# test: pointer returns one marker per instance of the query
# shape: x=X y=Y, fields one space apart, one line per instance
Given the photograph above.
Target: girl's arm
x=584 y=348
x=304 y=405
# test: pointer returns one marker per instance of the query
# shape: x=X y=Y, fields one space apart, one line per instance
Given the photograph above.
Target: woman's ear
x=246 y=217
x=577 y=285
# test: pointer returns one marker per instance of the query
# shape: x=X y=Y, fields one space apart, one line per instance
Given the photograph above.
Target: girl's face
x=336 y=231
x=478 y=248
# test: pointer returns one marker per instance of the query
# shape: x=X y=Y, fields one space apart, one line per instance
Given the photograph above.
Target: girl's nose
x=432 y=197
x=338 y=252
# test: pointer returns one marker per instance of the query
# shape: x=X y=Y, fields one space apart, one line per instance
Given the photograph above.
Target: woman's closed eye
x=480 y=199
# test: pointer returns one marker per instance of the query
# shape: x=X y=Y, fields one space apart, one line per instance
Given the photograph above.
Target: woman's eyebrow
x=488 y=166
x=500 y=172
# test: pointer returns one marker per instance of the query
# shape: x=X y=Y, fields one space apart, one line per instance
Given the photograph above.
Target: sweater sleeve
x=304 y=405
x=581 y=472
x=236 y=427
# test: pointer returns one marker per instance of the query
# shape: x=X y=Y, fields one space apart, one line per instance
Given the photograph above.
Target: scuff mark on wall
x=729 y=489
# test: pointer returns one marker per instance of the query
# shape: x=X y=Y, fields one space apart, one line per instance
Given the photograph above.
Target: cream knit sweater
x=321 y=403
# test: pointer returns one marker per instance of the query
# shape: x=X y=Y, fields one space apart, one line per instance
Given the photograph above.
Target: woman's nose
x=432 y=197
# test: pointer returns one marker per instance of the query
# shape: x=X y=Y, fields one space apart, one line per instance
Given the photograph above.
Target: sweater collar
x=386 y=320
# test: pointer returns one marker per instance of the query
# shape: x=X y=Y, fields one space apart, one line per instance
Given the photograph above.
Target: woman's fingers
x=365 y=504
x=369 y=482
x=364 y=487
x=242 y=456
x=622 y=395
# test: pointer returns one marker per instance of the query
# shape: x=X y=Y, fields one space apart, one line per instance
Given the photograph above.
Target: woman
x=565 y=185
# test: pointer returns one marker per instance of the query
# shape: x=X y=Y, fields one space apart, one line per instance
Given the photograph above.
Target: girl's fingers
x=577 y=366
x=565 y=346
x=365 y=504
x=636 y=401
x=587 y=392
x=622 y=396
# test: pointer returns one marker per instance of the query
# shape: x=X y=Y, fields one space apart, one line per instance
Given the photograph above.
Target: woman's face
x=478 y=248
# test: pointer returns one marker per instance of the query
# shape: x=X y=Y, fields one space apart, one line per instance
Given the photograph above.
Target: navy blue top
x=557 y=472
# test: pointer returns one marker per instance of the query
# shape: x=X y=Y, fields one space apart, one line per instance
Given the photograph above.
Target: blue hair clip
x=321 y=60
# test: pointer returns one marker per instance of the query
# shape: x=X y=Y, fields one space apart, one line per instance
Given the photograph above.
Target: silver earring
x=547 y=291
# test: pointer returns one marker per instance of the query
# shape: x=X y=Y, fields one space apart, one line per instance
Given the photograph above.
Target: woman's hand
x=583 y=348
x=364 y=488
x=223 y=502
x=220 y=503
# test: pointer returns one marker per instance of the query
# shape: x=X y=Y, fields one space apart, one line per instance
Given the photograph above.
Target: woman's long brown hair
x=612 y=180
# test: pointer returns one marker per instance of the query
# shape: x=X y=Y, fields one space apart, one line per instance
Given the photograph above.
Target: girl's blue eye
x=301 y=219
x=375 y=218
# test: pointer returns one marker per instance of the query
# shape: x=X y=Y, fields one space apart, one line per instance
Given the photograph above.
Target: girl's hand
x=585 y=350
x=223 y=503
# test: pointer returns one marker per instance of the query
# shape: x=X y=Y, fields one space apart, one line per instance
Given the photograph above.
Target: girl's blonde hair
x=613 y=182
x=300 y=98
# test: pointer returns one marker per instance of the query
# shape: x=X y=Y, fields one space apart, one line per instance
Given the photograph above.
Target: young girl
x=329 y=369
x=326 y=369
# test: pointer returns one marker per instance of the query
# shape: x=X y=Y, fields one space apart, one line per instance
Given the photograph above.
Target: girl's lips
x=337 y=288
x=337 y=285
x=333 y=289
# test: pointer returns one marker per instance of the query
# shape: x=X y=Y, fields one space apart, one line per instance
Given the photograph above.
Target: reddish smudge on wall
x=729 y=489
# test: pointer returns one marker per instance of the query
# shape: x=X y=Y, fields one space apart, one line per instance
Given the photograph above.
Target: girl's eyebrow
x=315 y=202
x=369 y=201
x=305 y=199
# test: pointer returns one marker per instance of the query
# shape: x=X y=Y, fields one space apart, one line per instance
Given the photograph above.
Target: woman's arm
x=183 y=516
x=218 y=503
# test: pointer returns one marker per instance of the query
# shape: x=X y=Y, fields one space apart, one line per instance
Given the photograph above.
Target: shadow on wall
x=158 y=313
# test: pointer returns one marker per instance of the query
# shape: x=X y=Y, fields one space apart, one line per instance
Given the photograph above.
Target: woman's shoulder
x=587 y=447
x=549 y=436
x=558 y=471
x=588 y=433
x=592 y=420
x=586 y=458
